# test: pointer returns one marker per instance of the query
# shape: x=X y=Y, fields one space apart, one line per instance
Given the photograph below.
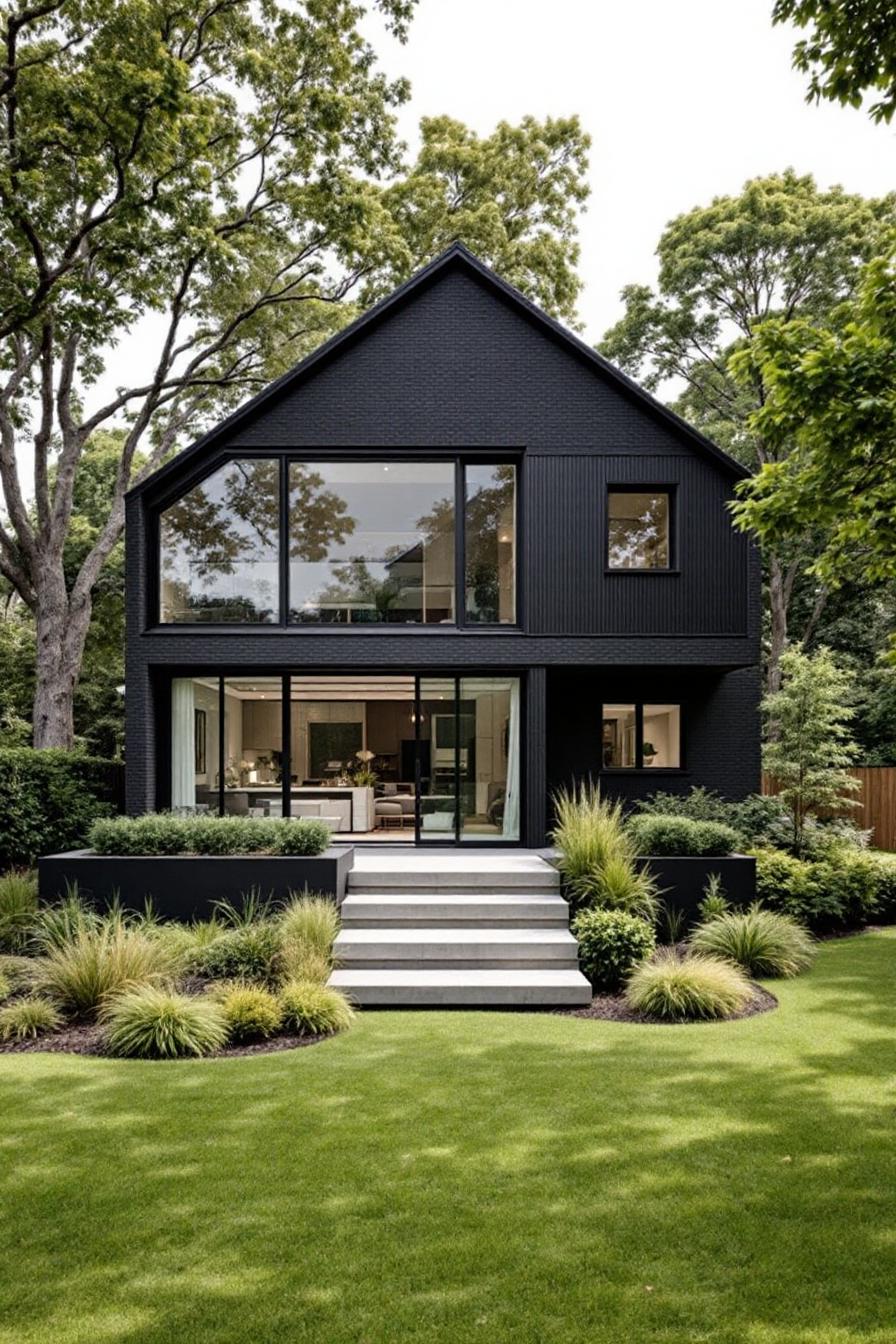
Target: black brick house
x=454 y=548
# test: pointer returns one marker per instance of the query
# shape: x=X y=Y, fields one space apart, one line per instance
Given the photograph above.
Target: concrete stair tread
x=455 y=935
x=429 y=861
x=464 y=988
x=417 y=899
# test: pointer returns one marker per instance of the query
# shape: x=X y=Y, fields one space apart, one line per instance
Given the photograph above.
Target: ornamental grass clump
x=16 y=972
x=100 y=961
x=311 y=1009
x=308 y=927
x=611 y=944
x=251 y=1012
x=762 y=942
x=596 y=856
x=673 y=988
x=156 y=1023
x=18 y=909
x=25 y=1019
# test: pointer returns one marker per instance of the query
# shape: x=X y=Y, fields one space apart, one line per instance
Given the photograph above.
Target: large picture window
x=342 y=542
x=371 y=542
x=638 y=530
x=641 y=736
x=219 y=547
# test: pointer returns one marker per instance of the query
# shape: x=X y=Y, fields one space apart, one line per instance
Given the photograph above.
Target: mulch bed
x=86 y=1038
x=613 y=1008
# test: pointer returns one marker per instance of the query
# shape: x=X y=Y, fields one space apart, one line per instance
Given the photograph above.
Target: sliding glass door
x=434 y=759
x=468 y=759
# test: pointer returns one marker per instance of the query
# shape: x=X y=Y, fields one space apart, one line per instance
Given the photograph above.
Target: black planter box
x=682 y=880
x=183 y=886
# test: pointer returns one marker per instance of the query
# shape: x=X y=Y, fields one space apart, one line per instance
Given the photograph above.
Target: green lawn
x=454 y=1177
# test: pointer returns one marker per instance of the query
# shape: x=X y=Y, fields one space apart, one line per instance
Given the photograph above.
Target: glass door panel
x=436 y=737
x=489 y=760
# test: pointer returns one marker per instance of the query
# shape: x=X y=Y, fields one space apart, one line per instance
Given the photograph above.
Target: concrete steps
x=442 y=930
x=464 y=988
x=437 y=909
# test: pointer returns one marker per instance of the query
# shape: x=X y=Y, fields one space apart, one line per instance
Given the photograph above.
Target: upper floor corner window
x=372 y=542
x=490 y=544
x=638 y=529
x=219 y=547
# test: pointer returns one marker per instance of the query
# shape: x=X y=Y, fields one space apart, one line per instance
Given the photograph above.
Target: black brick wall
x=459 y=365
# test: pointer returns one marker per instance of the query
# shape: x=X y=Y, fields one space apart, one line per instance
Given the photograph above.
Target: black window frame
x=670 y=490
x=641 y=768
x=460 y=459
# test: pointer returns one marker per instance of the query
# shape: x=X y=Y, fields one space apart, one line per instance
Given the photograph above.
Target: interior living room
x=378 y=758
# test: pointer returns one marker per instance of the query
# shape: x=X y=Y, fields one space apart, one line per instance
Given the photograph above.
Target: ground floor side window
x=641 y=736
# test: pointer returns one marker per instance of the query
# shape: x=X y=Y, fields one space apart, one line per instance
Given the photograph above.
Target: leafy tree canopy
x=850 y=50
x=230 y=169
x=781 y=248
x=832 y=399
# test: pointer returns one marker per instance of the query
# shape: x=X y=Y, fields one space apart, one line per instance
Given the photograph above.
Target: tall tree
x=811 y=745
x=781 y=248
x=850 y=51
x=231 y=169
x=832 y=400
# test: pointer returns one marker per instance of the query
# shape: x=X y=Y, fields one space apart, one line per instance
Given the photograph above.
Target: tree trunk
x=61 y=635
x=777 y=595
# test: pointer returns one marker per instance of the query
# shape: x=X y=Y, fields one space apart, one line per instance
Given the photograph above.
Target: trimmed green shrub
x=886 y=886
x=23 y=1019
x=249 y=952
x=100 y=961
x=680 y=989
x=308 y=925
x=161 y=834
x=48 y=802
x=851 y=877
x=251 y=1012
x=18 y=908
x=668 y=836
x=155 y=1023
x=314 y=1010
x=762 y=942
x=306 y=838
x=837 y=893
x=611 y=944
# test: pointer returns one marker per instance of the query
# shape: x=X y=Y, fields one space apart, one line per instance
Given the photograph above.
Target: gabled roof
x=456 y=256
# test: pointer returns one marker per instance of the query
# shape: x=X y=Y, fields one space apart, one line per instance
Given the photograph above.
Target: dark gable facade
x=455 y=546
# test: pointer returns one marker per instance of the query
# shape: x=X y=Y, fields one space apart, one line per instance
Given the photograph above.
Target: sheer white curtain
x=510 y=829
x=183 y=746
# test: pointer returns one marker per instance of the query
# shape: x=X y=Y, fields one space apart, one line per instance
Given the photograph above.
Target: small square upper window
x=638 y=529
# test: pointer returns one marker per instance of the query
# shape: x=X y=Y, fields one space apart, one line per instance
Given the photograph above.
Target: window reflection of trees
x=490 y=544
x=227 y=528
x=409 y=581
x=639 y=531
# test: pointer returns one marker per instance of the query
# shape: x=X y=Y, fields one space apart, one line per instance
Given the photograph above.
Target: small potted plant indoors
x=364 y=777
x=649 y=753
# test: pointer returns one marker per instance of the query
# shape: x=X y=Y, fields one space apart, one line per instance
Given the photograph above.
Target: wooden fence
x=877 y=796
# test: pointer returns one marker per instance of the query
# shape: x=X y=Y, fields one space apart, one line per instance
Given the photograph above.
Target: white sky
x=684 y=101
